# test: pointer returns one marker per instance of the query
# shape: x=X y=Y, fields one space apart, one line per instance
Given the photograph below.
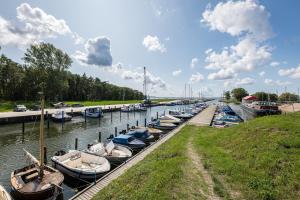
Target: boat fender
x=60 y=153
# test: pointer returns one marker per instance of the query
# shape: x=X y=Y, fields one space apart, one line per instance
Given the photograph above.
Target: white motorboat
x=92 y=112
x=139 y=107
x=129 y=108
x=114 y=153
x=61 y=116
x=81 y=165
x=169 y=119
x=180 y=115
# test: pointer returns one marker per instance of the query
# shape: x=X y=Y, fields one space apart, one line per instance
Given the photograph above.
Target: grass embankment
x=259 y=159
x=6 y=106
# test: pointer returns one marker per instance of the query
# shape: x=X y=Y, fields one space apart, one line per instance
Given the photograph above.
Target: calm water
x=59 y=137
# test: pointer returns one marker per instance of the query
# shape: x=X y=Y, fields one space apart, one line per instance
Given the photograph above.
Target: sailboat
x=37 y=181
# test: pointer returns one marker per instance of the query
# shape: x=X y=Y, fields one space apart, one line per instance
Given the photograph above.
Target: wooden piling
x=63 y=117
x=111 y=115
x=127 y=127
x=116 y=131
x=99 y=136
x=85 y=116
x=145 y=122
x=156 y=115
x=76 y=143
x=23 y=125
x=137 y=122
x=45 y=155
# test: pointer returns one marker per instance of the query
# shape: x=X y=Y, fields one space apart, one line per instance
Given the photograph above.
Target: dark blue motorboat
x=130 y=141
x=142 y=134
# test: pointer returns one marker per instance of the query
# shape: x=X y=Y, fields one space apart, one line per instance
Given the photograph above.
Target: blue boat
x=129 y=141
x=142 y=134
x=228 y=118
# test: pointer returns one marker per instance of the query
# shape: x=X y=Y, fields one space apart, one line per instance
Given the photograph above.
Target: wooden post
x=127 y=127
x=137 y=123
x=62 y=117
x=145 y=122
x=116 y=131
x=120 y=115
x=71 y=112
x=76 y=143
x=85 y=116
x=23 y=125
x=111 y=114
x=99 y=136
x=45 y=155
x=156 y=115
x=48 y=120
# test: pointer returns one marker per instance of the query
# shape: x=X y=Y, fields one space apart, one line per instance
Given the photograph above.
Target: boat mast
x=145 y=86
x=42 y=143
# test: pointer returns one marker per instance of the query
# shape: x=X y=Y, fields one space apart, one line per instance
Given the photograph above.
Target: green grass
x=6 y=106
x=259 y=159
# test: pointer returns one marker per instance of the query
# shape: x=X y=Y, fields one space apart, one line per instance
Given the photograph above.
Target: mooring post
x=76 y=143
x=145 y=122
x=111 y=114
x=85 y=116
x=120 y=115
x=71 y=112
x=116 y=131
x=127 y=127
x=99 y=136
x=48 y=120
x=137 y=123
x=62 y=117
x=45 y=155
x=156 y=115
x=23 y=125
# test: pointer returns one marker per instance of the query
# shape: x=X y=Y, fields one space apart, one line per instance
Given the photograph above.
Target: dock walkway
x=92 y=190
x=205 y=117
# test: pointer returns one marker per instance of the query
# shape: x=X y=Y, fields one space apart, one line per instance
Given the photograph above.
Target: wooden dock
x=91 y=191
x=205 y=117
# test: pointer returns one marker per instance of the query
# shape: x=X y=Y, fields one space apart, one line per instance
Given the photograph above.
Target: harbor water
x=62 y=137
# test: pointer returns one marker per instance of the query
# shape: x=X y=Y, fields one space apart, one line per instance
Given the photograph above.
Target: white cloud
x=239 y=18
x=194 y=62
x=152 y=43
x=244 y=81
x=274 y=64
x=176 y=72
x=222 y=74
x=262 y=73
x=277 y=82
x=244 y=56
x=97 y=52
x=34 y=25
x=196 y=77
x=292 y=72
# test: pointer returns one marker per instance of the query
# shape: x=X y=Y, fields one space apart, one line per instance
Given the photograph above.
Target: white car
x=20 y=108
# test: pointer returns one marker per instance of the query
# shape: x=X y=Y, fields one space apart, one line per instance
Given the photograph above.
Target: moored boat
x=129 y=108
x=170 y=119
x=4 y=195
x=61 y=116
x=180 y=115
x=162 y=126
x=81 y=165
x=92 y=112
x=36 y=181
x=153 y=131
x=114 y=153
x=142 y=134
x=129 y=141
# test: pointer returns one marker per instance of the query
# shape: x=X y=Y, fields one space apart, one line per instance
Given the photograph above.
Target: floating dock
x=205 y=117
x=92 y=190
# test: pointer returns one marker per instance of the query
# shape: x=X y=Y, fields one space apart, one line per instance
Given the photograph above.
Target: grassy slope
x=9 y=105
x=258 y=159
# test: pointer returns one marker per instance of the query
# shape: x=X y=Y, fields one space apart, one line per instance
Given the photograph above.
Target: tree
x=227 y=95
x=288 y=97
x=263 y=96
x=51 y=65
x=239 y=93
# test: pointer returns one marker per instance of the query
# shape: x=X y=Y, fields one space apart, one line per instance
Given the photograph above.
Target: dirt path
x=206 y=176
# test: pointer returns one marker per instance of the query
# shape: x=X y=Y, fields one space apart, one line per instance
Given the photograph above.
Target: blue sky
x=250 y=44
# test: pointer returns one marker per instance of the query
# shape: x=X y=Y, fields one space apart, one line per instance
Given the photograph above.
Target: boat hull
x=76 y=175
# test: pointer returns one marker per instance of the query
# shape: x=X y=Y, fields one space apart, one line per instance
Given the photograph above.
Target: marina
x=75 y=134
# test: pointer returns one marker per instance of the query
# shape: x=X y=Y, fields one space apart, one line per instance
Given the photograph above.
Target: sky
x=210 y=46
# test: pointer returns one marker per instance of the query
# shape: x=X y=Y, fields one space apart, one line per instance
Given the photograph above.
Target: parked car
x=20 y=108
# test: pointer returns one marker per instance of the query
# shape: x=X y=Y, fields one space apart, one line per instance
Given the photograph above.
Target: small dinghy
x=142 y=134
x=4 y=194
x=61 y=116
x=162 y=126
x=80 y=165
x=114 y=153
x=129 y=141
x=170 y=119
x=92 y=112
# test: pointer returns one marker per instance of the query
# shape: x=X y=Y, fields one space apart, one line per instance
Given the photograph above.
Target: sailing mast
x=144 y=84
x=42 y=142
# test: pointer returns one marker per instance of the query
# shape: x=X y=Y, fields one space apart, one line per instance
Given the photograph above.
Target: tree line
x=239 y=93
x=45 y=69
